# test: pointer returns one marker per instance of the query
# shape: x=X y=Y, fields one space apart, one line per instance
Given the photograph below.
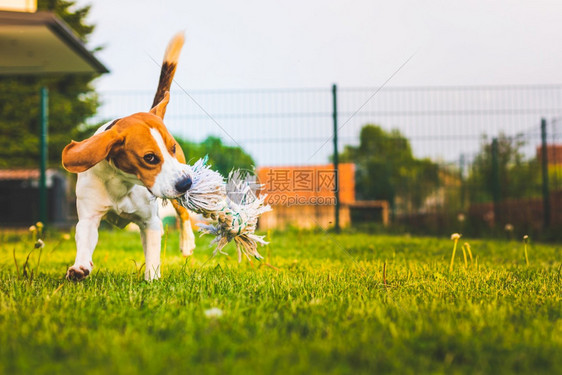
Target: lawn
x=319 y=303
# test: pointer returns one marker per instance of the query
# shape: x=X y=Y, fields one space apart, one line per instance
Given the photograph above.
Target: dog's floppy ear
x=81 y=156
x=160 y=108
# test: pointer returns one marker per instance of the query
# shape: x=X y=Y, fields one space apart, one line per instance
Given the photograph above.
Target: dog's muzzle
x=183 y=185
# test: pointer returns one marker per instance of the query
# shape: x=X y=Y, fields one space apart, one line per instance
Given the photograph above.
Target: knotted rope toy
x=233 y=206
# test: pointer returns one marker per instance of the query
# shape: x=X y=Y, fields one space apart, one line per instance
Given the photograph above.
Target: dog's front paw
x=78 y=272
x=187 y=247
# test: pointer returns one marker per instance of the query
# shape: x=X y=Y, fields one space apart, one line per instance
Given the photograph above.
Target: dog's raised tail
x=171 y=57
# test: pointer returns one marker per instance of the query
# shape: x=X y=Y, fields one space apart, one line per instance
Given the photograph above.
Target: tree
x=223 y=158
x=517 y=176
x=387 y=170
x=72 y=100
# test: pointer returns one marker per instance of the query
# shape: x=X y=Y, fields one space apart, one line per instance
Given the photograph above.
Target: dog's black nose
x=183 y=185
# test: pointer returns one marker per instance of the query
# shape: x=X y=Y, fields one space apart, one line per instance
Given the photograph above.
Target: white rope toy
x=234 y=206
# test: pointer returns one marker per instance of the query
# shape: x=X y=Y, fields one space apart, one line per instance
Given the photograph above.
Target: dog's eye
x=173 y=149
x=151 y=158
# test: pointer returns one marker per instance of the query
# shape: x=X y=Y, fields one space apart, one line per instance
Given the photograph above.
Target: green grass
x=325 y=309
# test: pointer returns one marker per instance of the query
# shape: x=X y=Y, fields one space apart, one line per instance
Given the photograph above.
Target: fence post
x=461 y=176
x=545 y=187
x=336 y=158
x=44 y=119
x=495 y=178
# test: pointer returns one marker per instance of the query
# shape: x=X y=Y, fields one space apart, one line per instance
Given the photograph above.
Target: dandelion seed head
x=214 y=312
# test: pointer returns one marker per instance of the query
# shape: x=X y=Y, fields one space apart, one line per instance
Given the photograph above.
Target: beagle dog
x=122 y=169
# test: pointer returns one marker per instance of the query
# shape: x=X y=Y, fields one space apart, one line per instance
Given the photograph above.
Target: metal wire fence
x=454 y=127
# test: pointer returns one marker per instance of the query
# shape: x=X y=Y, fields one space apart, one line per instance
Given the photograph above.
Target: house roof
x=22 y=174
x=41 y=43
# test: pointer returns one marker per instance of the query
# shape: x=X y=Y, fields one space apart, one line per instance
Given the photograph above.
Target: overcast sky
x=313 y=43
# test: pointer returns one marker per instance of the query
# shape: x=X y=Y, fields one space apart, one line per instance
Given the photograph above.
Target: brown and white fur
x=121 y=170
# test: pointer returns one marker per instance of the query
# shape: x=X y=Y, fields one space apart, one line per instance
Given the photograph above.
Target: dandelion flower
x=66 y=236
x=467 y=245
x=525 y=239
x=39 y=225
x=32 y=228
x=508 y=228
x=455 y=237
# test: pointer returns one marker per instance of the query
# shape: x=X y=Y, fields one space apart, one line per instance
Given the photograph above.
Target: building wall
x=553 y=154
x=283 y=217
x=19 y=5
x=19 y=198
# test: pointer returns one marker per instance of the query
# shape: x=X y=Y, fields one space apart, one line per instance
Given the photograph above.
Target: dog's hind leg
x=187 y=238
